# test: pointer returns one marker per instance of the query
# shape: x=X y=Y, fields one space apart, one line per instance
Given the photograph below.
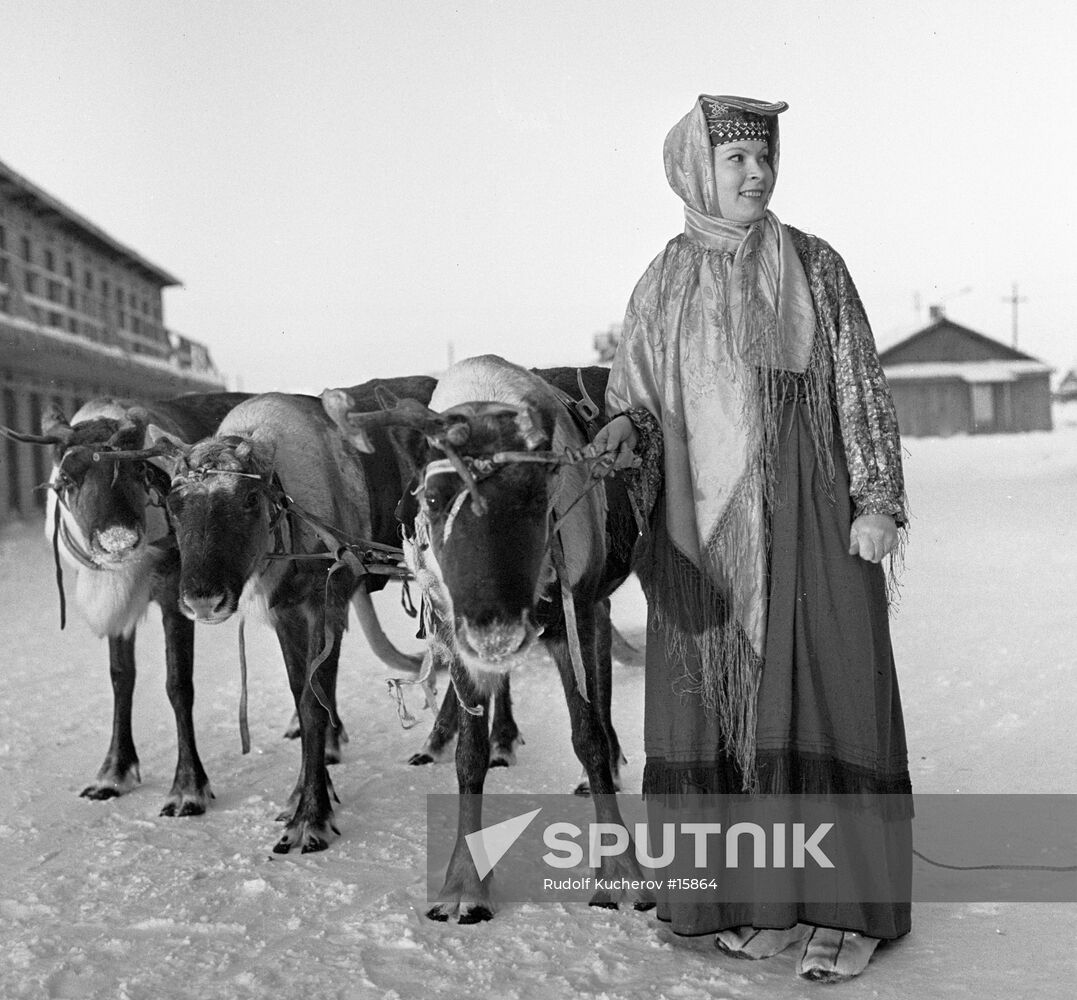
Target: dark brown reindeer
x=266 y=485
x=578 y=389
x=510 y=544
x=106 y=525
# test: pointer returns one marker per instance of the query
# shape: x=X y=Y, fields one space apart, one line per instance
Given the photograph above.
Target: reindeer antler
x=15 y=435
x=395 y=412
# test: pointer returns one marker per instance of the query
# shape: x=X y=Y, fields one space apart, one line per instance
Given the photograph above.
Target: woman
x=748 y=383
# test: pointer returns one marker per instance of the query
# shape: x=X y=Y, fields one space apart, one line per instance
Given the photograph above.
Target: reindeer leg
x=435 y=749
x=604 y=695
x=505 y=736
x=292 y=636
x=311 y=821
x=335 y=736
x=590 y=743
x=119 y=773
x=190 y=787
x=464 y=895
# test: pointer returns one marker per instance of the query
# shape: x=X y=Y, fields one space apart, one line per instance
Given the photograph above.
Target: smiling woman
x=748 y=364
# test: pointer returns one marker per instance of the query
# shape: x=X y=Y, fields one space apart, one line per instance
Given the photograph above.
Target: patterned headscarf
x=725 y=303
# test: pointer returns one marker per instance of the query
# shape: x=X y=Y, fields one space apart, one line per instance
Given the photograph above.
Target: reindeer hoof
x=100 y=792
x=313 y=845
x=498 y=762
x=583 y=789
x=643 y=905
x=417 y=759
x=438 y=913
x=476 y=915
x=603 y=904
x=188 y=808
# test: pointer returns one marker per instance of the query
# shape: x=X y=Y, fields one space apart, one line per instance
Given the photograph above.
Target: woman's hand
x=873 y=537
x=619 y=436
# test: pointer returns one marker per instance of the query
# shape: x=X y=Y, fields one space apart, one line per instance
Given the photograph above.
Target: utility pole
x=1015 y=300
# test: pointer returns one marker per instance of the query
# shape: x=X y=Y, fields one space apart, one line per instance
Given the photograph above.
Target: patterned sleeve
x=866 y=410
x=633 y=391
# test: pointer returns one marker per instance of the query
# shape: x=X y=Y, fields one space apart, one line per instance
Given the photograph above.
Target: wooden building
x=81 y=315
x=947 y=379
x=1066 y=392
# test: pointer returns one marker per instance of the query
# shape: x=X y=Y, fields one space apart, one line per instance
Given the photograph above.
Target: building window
x=87 y=280
x=37 y=455
x=72 y=299
x=26 y=255
x=3 y=238
x=30 y=281
x=119 y=296
x=3 y=270
x=72 y=324
x=56 y=320
x=69 y=270
x=50 y=260
x=55 y=292
x=104 y=287
x=11 y=418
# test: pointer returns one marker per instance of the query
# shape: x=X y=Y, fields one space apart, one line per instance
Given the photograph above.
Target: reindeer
x=589 y=384
x=105 y=522
x=277 y=480
x=509 y=542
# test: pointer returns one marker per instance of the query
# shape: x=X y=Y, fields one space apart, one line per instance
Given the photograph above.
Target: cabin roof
x=946 y=341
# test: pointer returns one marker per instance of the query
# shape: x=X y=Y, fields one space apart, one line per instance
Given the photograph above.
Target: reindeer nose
x=210 y=608
x=116 y=541
x=498 y=641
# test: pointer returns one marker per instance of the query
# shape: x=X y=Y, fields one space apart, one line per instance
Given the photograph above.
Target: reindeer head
x=223 y=506
x=102 y=482
x=479 y=510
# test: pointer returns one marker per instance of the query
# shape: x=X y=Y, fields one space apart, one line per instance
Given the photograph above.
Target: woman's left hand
x=873 y=537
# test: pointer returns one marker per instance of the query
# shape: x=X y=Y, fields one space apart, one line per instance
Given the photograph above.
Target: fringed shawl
x=715 y=314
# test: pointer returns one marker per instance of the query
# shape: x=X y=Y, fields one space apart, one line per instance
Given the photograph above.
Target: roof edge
x=51 y=204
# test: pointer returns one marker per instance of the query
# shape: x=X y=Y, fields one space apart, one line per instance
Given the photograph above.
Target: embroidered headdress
x=728 y=122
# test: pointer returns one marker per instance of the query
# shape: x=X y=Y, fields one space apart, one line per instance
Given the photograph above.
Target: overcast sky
x=347 y=188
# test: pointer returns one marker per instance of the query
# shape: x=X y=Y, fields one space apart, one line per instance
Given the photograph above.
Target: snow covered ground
x=108 y=900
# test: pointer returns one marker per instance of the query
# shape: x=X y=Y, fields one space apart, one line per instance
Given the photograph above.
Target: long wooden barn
x=947 y=379
x=81 y=315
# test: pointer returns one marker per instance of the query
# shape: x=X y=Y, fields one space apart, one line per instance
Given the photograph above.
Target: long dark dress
x=828 y=713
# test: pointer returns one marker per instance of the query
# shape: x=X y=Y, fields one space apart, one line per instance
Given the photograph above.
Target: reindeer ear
x=172 y=451
x=457 y=433
x=137 y=415
x=387 y=399
x=338 y=404
x=54 y=424
x=529 y=424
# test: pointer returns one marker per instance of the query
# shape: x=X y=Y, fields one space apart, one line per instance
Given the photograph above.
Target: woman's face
x=744 y=179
